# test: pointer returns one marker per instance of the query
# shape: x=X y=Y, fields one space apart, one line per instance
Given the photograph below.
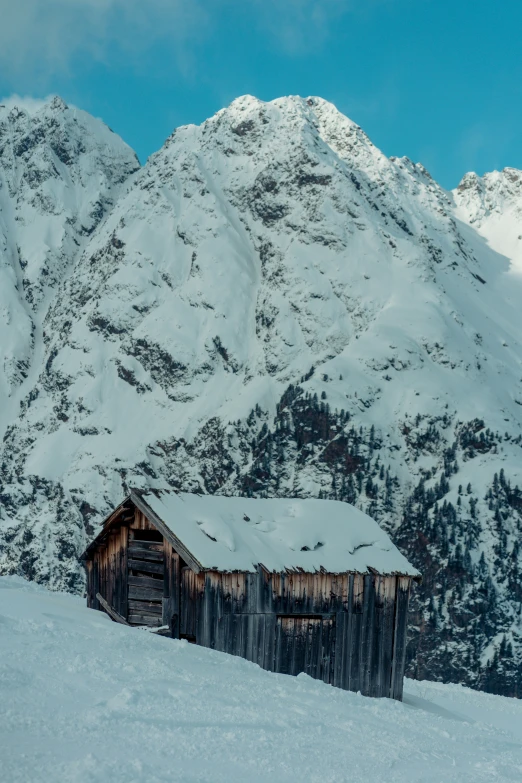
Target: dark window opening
x=151 y=536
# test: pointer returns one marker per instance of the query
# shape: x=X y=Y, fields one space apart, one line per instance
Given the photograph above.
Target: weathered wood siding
x=348 y=630
x=146 y=572
x=107 y=570
x=128 y=570
x=171 y=589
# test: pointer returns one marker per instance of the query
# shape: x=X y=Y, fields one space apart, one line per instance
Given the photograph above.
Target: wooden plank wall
x=115 y=564
x=347 y=629
x=354 y=625
x=189 y=603
x=146 y=572
x=107 y=572
x=400 y=631
x=171 y=590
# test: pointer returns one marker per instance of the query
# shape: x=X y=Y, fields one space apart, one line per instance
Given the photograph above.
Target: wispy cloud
x=30 y=104
x=42 y=37
x=301 y=26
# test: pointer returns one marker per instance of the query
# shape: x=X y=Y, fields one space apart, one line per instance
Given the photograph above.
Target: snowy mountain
x=60 y=173
x=271 y=306
x=78 y=705
x=493 y=205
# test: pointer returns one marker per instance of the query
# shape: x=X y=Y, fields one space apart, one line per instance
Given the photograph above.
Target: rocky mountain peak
x=493 y=192
x=61 y=171
x=493 y=205
x=270 y=306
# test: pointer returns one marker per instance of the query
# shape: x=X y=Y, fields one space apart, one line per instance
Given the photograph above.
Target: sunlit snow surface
x=492 y=204
x=236 y=534
x=86 y=700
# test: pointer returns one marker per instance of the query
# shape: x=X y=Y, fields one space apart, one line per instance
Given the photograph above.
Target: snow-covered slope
x=60 y=172
x=493 y=205
x=84 y=699
x=273 y=307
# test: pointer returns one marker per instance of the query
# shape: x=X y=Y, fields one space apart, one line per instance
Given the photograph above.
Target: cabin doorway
x=305 y=643
x=145 y=577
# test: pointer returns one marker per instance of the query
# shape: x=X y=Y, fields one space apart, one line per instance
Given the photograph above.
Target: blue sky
x=438 y=81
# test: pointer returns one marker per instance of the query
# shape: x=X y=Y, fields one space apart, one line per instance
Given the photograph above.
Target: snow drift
x=84 y=699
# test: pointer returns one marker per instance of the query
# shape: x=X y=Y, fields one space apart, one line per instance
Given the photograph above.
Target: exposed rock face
x=492 y=204
x=271 y=305
x=61 y=172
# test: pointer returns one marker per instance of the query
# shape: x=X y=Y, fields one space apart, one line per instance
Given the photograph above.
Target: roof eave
x=105 y=525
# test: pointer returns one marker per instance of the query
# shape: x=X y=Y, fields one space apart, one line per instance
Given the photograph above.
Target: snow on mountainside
x=60 y=173
x=84 y=699
x=493 y=205
x=273 y=307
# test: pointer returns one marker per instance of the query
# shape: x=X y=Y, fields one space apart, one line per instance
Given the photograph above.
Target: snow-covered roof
x=237 y=534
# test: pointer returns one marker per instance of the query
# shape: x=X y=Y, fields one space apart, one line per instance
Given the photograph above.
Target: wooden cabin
x=294 y=585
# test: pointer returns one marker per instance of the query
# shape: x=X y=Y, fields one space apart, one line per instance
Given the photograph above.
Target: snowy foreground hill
x=84 y=699
x=270 y=306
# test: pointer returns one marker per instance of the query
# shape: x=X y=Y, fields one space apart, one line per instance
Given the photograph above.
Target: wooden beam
x=145 y=607
x=143 y=506
x=150 y=546
x=145 y=554
x=145 y=566
x=113 y=614
x=113 y=517
x=146 y=581
x=145 y=619
x=106 y=524
x=145 y=594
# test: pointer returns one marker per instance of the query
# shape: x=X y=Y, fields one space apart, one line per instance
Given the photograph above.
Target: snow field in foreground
x=84 y=699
